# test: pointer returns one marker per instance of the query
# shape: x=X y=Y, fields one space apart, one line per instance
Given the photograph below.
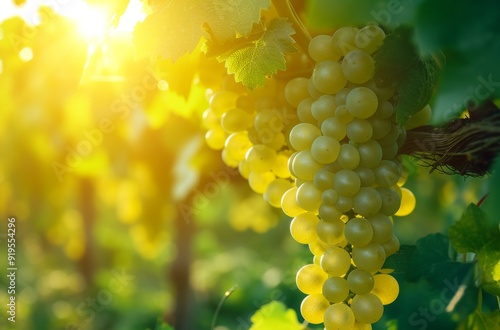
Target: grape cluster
x=348 y=178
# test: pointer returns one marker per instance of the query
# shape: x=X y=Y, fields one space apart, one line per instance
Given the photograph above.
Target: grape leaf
x=275 y=316
x=176 y=26
x=481 y=321
x=251 y=63
x=400 y=261
x=472 y=233
x=430 y=257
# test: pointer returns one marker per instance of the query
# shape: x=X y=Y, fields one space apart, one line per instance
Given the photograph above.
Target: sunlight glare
x=132 y=15
x=92 y=22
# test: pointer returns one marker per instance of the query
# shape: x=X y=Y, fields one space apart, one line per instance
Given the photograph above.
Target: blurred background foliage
x=105 y=170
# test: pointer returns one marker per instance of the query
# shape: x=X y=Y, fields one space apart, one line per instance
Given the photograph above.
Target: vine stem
x=302 y=36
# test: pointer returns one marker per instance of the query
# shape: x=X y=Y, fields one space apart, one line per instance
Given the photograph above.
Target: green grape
x=303 y=135
x=236 y=120
x=237 y=145
x=367 y=308
x=222 y=101
x=215 y=138
x=228 y=160
x=268 y=122
x=361 y=326
x=383 y=93
x=335 y=289
x=330 y=196
x=335 y=261
x=329 y=212
x=325 y=149
x=259 y=181
x=370 y=257
x=243 y=169
x=339 y=317
x=359 y=130
x=367 y=201
x=280 y=165
x=362 y=102
x=276 y=142
x=358 y=66
x=333 y=128
x=328 y=78
x=260 y=158
x=386 y=288
x=366 y=175
x=323 y=179
x=331 y=232
x=358 y=232
x=289 y=203
x=310 y=279
x=313 y=92
x=381 y=127
x=322 y=48
x=318 y=248
x=296 y=91
x=346 y=182
x=360 y=281
x=408 y=203
x=324 y=107
x=385 y=110
x=390 y=137
x=391 y=246
x=344 y=37
x=341 y=96
x=313 y=308
x=420 y=118
x=387 y=173
x=303 y=228
x=304 y=111
x=275 y=191
x=349 y=157
x=390 y=201
x=344 y=203
x=210 y=120
x=370 y=154
x=343 y=115
x=390 y=151
x=309 y=197
x=382 y=228
x=369 y=38
x=304 y=166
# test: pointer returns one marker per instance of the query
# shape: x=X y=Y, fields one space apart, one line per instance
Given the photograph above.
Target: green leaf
x=160 y=325
x=401 y=260
x=176 y=26
x=471 y=73
x=481 y=321
x=430 y=257
x=275 y=316
x=490 y=205
x=489 y=264
x=252 y=62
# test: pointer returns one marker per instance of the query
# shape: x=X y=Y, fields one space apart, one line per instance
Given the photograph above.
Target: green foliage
x=256 y=59
x=472 y=233
x=160 y=325
x=400 y=261
x=275 y=316
x=481 y=321
x=399 y=65
x=466 y=33
x=176 y=26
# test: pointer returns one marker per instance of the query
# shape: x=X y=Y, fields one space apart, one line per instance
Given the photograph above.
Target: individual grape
x=280 y=165
x=391 y=246
x=303 y=135
x=268 y=122
x=358 y=66
x=296 y=91
x=389 y=151
x=367 y=201
x=366 y=175
x=328 y=78
x=343 y=115
x=313 y=92
x=323 y=179
x=339 y=317
x=210 y=120
x=330 y=196
x=358 y=232
x=215 y=138
x=325 y=149
x=329 y=213
x=310 y=279
x=370 y=154
x=275 y=191
x=370 y=257
x=309 y=197
x=304 y=111
x=346 y=182
x=381 y=127
x=335 y=261
x=313 y=308
x=369 y=38
x=289 y=203
x=360 y=281
x=382 y=228
x=344 y=203
x=318 y=248
x=341 y=96
x=243 y=169
x=333 y=128
x=362 y=326
x=349 y=157
x=386 y=288
x=362 y=102
x=344 y=37
x=237 y=145
x=260 y=181
x=408 y=202
x=387 y=173
x=303 y=228
x=335 y=289
x=390 y=201
x=228 y=160
x=359 y=130
x=276 y=142
x=222 y=101
x=260 y=158
x=331 y=232
x=236 y=120
x=304 y=166
x=324 y=107
x=322 y=48
x=367 y=308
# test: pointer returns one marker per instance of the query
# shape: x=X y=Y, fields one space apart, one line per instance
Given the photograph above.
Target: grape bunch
x=325 y=150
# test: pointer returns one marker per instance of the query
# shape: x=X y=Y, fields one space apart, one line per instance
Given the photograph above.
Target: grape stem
x=302 y=36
